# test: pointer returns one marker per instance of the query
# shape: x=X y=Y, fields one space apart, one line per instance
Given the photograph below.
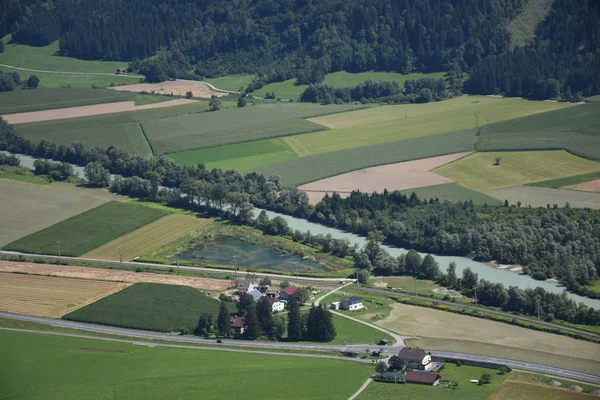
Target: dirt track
x=113 y=275
x=177 y=88
x=86 y=111
x=399 y=176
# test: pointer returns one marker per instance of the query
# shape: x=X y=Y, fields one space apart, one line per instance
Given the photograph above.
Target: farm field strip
x=235 y=125
x=113 y=275
x=399 y=176
x=593 y=186
x=298 y=171
x=36 y=365
x=390 y=123
x=542 y=196
x=86 y=111
x=148 y=238
x=480 y=172
x=89 y=230
x=51 y=297
x=568 y=181
x=425 y=322
x=27 y=208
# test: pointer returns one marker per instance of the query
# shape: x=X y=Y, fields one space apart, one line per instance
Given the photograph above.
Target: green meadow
x=36 y=366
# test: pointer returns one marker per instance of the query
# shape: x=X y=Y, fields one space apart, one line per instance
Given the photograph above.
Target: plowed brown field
x=51 y=297
x=177 y=88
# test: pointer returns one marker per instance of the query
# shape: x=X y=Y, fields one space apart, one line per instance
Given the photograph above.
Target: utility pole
x=235 y=264
x=58 y=243
x=405 y=113
x=120 y=256
x=177 y=257
x=357 y=281
x=475 y=296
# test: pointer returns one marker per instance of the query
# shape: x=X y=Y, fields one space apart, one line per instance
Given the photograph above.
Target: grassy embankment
x=461 y=375
x=45 y=58
x=89 y=230
x=89 y=369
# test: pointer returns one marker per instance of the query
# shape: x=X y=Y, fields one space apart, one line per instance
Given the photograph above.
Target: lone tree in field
x=486 y=377
x=189 y=94
x=32 y=82
x=497 y=161
x=214 y=104
x=223 y=327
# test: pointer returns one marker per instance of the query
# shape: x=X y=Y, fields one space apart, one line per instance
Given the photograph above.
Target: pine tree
x=264 y=312
x=294 y=321
x=223 y=321
x=327 y=330
x=252 y=331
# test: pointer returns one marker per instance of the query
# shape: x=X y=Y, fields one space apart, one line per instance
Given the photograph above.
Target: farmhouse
x=256 y=294
x=287 y=293
x=237 y=325
x=245 y=286
x=120 y=71
x=417 y=359
x=423 y=378
x=351 y=303
x=276 y=305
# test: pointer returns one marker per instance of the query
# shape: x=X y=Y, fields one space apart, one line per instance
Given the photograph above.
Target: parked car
x=219 y=341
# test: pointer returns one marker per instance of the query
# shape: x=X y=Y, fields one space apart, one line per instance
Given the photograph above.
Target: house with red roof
x=237 y=325
x=287 y=293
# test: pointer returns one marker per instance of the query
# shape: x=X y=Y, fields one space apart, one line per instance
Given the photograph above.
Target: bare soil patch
x=112 y=275
x=421 y=321
x=399 y=176
x=51 y=297
x=593 y=186
x=176 y=88
x=86 y=111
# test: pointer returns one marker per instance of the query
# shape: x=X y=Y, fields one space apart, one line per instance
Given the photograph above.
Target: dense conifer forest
x=306 y=39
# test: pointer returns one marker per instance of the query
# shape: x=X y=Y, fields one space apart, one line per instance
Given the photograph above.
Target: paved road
x=322 y=281
x=360 y=390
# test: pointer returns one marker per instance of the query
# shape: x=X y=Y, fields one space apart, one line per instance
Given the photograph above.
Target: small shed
x=423 y=378
x=335 y=305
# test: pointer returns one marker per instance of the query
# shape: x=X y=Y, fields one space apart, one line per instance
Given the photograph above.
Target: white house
x=245 y=286
x=351 y=303
x=277 y=305
x=417 y=359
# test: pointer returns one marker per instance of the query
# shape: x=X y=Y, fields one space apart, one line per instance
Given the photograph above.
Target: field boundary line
x=146 y=138
x=118 y=288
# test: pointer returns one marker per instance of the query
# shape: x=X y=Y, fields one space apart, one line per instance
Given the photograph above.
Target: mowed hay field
x=479 y=172
x=36 y=366
x=89 y=230
x=27 y=208
x=241 y=157
x=235 y=125
x=541 y=197
x=149 y=237
x=419 y=321
x=150 y=306
x=389 y=124
x=51 y=297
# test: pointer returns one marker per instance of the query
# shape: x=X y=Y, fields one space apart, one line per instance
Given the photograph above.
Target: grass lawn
x=524 y=391
x=298 y=171
x=148 y=238
x=352 y=332
x=537 y=379
x=288 y=89
x=461 y=375
x=89 y=230
x=42 y=367
x=390 y=123
x=149 y=306
x=453 y=193
x=21 y=174
x=231 y=82
x=242 y=157
x=234 y=125
x=480 y=172
x=568 y=181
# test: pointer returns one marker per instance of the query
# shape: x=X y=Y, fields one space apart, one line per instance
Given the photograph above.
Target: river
x=484 y=270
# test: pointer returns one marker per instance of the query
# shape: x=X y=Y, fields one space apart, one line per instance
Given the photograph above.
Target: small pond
x=221 y=251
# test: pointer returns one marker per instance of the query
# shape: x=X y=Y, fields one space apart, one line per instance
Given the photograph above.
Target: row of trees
x=421 y=90
x=12 y=80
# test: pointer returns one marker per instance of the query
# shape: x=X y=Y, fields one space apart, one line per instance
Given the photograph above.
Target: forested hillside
x=306 y=39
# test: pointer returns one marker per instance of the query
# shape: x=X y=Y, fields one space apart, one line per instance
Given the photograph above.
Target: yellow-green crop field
x=398 y=122
x=479 y=172
x=149 y=237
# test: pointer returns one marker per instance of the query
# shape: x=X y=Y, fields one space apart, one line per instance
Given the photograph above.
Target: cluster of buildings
x=277 y=299
x=413 y=366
